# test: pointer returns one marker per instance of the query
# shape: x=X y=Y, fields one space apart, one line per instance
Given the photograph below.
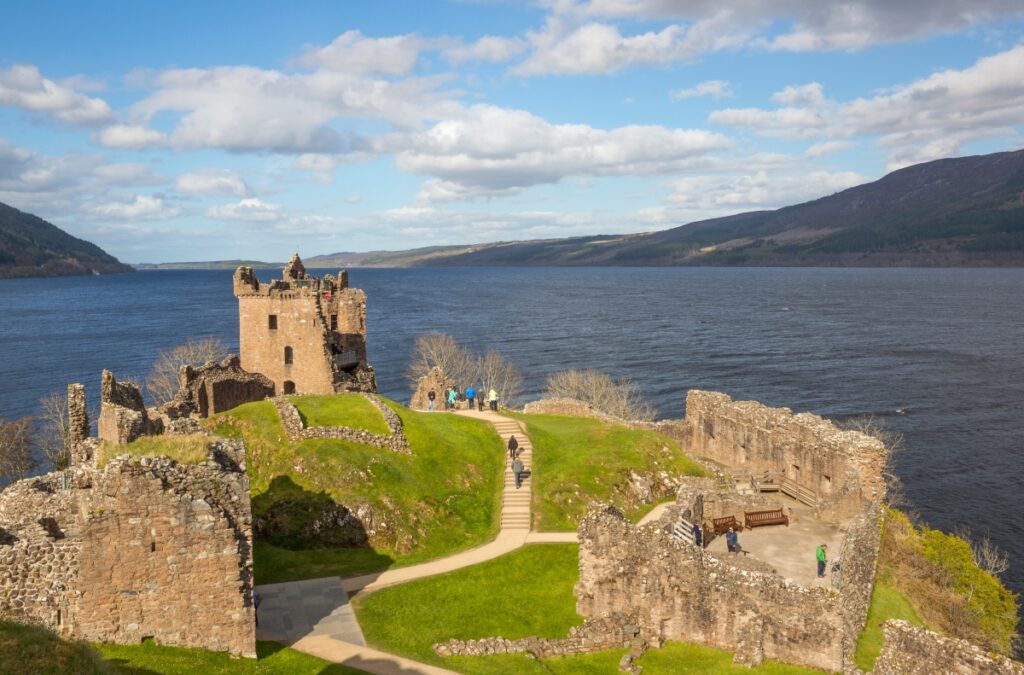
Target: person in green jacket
x=820 y=554
x=492 y=398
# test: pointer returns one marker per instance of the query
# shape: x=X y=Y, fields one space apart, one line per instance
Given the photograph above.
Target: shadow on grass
x=300 y=534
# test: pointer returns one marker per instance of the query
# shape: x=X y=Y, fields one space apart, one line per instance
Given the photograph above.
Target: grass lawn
x=183 y=449
x=341 y=410
x=30 y=649
x=580 y=461
x=886 y=603
x=527 y=592
x=443 y=498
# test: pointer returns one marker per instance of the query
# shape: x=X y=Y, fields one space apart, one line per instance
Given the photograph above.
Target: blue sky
x=198 y=131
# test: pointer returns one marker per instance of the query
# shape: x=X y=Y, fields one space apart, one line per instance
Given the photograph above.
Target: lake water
x=936 y=354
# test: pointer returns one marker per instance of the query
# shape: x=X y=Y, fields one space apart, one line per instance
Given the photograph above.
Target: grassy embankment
x=441 y=499
x=930 y=578
x=579 y=461
x=29 y=649
x=527 y=592
x=183 y=449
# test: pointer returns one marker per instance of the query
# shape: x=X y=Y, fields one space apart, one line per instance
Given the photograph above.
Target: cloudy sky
x=209 y=130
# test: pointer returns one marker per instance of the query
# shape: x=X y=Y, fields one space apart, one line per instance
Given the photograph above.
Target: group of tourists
x=452 y=397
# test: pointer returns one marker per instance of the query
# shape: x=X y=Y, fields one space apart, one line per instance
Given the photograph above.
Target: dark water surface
x=935 y=353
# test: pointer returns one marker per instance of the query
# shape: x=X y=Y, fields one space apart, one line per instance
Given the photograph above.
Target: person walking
x=451 y=398
x=698 y=536
x=732 y=541
x=431 y=395
x=480 y=402
x=470 y=395
x=518 y=468
x=513 y=445
x=822 y=555
x=492 y=398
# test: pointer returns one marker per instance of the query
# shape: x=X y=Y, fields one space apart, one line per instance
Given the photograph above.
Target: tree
x=618 y=398
x=440 y=349
x=55 y=430
x=15 y=449
x=498 y=374
x=162 y=383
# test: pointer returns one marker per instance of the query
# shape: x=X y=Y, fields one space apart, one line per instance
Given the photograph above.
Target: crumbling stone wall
x=78 y=424
x=909 y=650
x=677 y=591
x=434 y=380
x=216 y=387
x=856 y=578
x=123 y=415
x=144 y=547
x=321 y=322
x=567 y=407
x=701 y=500
x=843 y=468
x=594 y=635
x=296 y=429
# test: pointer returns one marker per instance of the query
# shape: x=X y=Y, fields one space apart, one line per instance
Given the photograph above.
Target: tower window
x=272 y=321
x=334 y=322
x=288 y=357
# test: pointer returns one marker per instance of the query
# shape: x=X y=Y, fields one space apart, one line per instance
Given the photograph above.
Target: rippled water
x=935 y=353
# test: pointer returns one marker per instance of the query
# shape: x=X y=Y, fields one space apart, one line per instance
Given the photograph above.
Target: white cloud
x=827 y=148
x=212 y=183
x=142 y=207
x=252 y=209
x=352 y=52
x=22 y=86
x=490 y=48
x=492 y=151
x=926 y=119
x=760 y=189
x=713 y=88
x=131 y=137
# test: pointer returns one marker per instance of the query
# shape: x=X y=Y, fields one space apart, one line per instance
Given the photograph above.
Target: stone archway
x=289 y=387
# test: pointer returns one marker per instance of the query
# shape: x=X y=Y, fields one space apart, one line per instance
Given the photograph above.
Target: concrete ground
x=790 y=550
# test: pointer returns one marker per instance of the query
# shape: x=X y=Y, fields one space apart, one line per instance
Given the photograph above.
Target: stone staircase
x=515 y=504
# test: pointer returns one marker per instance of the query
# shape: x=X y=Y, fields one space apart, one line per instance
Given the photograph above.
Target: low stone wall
x=704 y=499
x=844 y=469
x=909 y=650
x=144 y=547
x=594 y=635
x=216 y=387
x=567 y=407
x=858 y=563
x=296 y=430
x=680 y=592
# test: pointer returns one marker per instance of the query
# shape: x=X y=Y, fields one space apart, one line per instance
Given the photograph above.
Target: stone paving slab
x=294 y=610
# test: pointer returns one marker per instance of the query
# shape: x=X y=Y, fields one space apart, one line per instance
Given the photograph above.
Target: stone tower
x=308 y=335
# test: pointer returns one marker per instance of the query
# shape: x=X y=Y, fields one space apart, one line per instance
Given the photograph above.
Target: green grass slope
x=441 y=499
x=32 y=247
x=578 y=462
x=348 y=411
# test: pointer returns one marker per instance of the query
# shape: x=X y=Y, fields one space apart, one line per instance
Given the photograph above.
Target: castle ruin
x=307 y=335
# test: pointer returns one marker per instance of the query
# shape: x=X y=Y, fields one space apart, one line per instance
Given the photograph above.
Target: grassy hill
x=32 y=247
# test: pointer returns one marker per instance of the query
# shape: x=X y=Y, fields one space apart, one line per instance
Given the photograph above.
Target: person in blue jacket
x=470 y=395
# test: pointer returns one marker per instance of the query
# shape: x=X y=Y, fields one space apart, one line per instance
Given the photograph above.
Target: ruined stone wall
x=702 y=500
x=909 y=650
x=679 y=592
x=567 y=407
x=856 y=578
x=123 y=415
x=296 y=429
x=216 y=387
x=594 y=635
x=142 y=548
x=843 y=468
x=434 y=380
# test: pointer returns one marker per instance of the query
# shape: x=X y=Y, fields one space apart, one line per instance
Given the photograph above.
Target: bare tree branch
x=54 y=437
x=162 y=382
x=16 y=459
x=618 y=398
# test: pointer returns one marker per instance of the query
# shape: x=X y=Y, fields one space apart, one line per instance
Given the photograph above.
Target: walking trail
x=314 y=616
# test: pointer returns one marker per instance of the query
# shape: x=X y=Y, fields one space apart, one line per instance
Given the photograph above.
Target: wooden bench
x=721 y=525
x=759 y=518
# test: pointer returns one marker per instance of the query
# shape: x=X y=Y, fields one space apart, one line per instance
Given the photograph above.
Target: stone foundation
x=296 y=430
x=144 y=547
x=909 y=650
x=594 y=635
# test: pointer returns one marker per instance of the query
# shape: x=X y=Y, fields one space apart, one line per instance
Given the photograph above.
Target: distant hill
x=32 y=247
x=963 y=211
x=209 y=265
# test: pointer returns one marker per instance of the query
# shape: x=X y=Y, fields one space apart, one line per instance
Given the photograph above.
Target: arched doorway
x=289 y=387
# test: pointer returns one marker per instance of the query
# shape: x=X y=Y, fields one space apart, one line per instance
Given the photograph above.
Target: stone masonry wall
x=144 y=547
x=594 y=635
x=216 y=387
x=679 y=592
x=844 y=468
x=296 y=430
x=856 y=578
x=434 y=380
x=702 y=500
x=909 y=650
x=123 y=416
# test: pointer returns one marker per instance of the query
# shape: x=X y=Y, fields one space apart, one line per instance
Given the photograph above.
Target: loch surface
x=936 y=354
